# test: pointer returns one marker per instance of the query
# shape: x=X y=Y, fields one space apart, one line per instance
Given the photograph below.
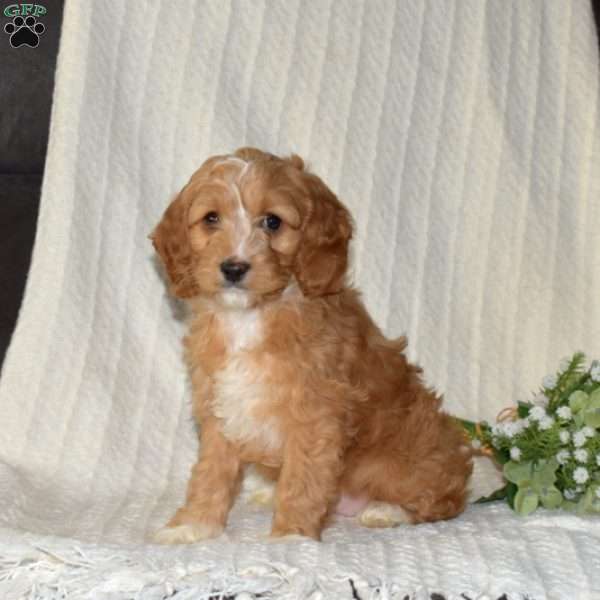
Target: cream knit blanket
x=464 y=137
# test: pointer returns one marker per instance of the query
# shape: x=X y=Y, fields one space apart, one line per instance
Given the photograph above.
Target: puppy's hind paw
x=186 y=534
x=382 y=514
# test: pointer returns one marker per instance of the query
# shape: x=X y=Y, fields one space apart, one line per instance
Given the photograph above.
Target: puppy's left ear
x=321 y=262
x=171 y=240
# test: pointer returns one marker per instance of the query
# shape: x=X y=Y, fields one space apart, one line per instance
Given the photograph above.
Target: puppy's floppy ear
x=322 y=259
x=171 y=240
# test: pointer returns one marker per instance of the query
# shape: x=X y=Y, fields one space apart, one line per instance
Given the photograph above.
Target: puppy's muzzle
x=234 y=271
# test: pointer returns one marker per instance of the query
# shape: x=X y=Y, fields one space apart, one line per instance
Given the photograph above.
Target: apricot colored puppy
x=289 y=372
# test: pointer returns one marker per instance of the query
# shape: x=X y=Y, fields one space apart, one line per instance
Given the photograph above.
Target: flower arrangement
x=549 y=448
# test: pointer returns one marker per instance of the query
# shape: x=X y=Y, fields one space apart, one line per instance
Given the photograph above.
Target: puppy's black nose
x=234 y=270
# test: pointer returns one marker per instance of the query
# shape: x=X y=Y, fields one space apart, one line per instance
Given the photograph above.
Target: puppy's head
x=247 y=224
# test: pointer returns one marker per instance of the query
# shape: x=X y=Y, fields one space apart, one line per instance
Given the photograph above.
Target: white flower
x=517 y=426
x=581 y=455
x=597 y=492
x=569 y=494
x=588 y=431
x=537 y=413
x=563 y=456
x=515 y=453
x=546 y=423
x=581 y=475
x=541 y=399
x=476 y=444
x=500 y=429
x=549 y=382
x=508 y=429
x=595 y=371
x=564 y=436
x=564 y=412
x=598 y=459
x=579 y=439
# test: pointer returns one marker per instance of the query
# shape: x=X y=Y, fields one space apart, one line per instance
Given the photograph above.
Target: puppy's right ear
x=171 y=241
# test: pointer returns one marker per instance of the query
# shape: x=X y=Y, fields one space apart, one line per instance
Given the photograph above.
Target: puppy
x=289 y=372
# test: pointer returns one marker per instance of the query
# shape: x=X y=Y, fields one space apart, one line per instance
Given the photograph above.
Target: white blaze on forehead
x=240 y=162
x=231 y=159
x=242 y=224
x=242 y=221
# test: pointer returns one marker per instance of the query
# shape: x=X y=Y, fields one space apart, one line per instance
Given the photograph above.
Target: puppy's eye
x=271 y=223
x=211 y=218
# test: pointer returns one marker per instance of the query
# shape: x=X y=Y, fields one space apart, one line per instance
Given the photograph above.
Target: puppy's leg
x=211 y=492
x=307 y=486
x=436 y=486
x=421 y=470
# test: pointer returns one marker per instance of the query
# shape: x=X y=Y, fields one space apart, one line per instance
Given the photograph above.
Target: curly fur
x=289 y=371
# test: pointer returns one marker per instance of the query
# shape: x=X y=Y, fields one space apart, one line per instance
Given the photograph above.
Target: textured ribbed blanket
x=464 y=138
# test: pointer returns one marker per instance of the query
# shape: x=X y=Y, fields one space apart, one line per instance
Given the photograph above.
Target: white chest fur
x=239 y=388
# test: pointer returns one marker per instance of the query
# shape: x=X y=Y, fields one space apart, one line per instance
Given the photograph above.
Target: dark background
x=26 y=84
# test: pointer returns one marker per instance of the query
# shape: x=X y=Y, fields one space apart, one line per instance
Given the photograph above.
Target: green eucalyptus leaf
x=591 y=417
x=526 y=500
x=594 y=503
x=591 y=413
x=595 y=397
x=579 y=419
x=519 y=473
x=585 y=502
x=544 y=472
x=569 y=505
x=550 y=497
x=577 y=401
x=594 y=402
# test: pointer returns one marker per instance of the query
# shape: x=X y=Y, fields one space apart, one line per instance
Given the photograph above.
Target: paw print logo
x=24 y=31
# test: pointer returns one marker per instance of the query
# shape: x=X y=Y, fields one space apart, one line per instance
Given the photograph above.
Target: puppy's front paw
x=187 y=534
x=382 y=514
x=281 y=532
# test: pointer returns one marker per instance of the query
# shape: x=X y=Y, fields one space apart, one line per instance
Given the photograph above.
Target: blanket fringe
x=41 y=572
